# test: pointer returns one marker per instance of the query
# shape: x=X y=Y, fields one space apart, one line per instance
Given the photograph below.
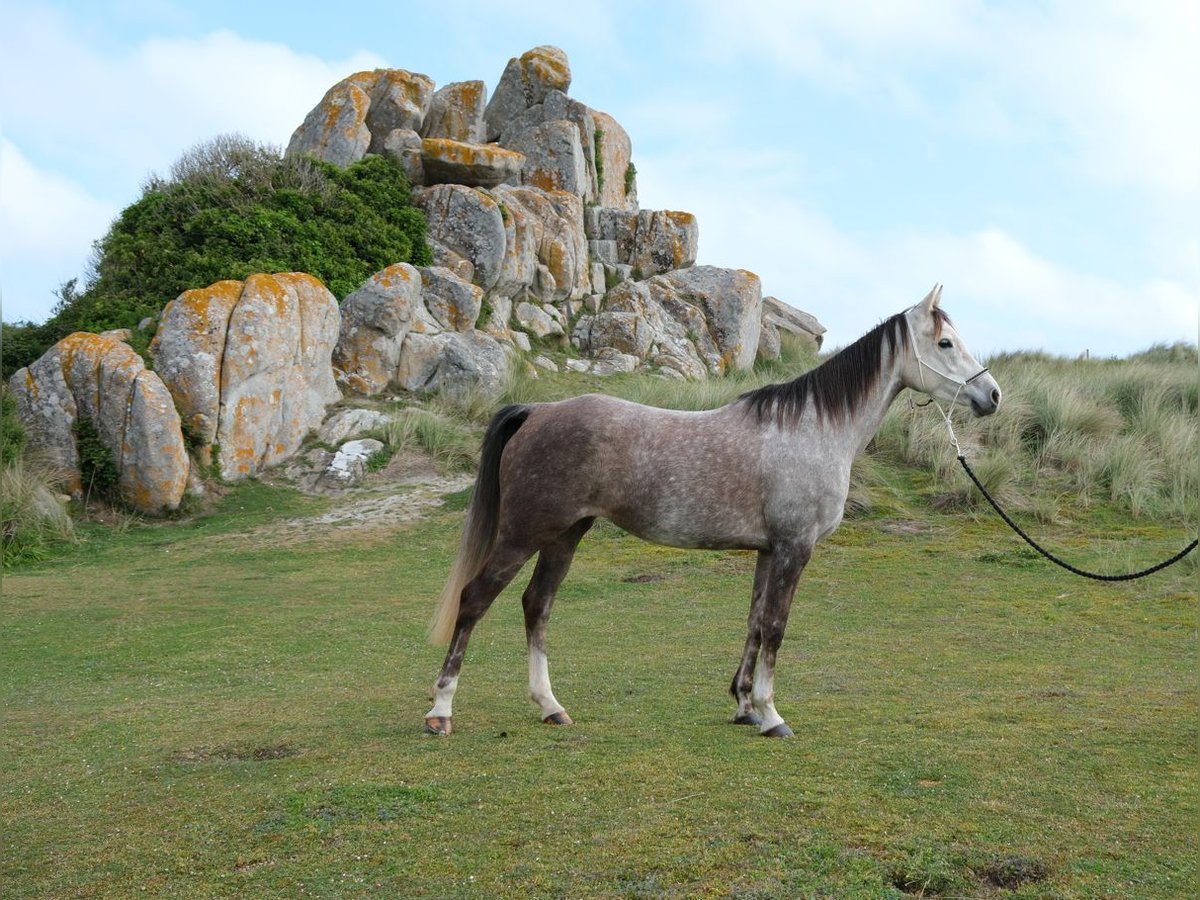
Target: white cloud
x=47 y=225
x=1003 y=294
x=1117 y=78
x=110 y=120
x=139 y=110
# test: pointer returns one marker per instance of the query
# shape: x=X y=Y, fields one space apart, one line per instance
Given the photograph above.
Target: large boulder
x=187 y=350
x=105 y=383
x=556 y=159
x=399 y=100
x=617 y=182
x=269 y=400
x=453 y=363
x=731 y=302
x=650 y=241
x=453 y=303
x=467 y=223
x=336 y=129
x=783 y=317
x=375 y=321
x=525 y=83
x=358 y=114
x=444 y=161
x=522 y=238
x=456 y=113
x=563 y=268
x=248 y=366
x=666 y=240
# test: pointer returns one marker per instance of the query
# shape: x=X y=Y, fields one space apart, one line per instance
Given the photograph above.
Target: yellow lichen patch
x=542 y=178
x=397 y=271
x=554 y=256
x=270 y=288
x=298 y=278
x=470 y=93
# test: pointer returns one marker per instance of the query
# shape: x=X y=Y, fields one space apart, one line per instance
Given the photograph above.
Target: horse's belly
x=696 y=531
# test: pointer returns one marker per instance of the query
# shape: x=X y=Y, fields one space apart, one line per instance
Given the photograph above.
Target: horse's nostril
x=996 y=396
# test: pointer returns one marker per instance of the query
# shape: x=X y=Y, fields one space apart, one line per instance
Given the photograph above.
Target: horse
x=768 y=472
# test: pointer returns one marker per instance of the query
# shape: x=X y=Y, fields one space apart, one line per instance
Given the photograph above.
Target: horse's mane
x=837 y=387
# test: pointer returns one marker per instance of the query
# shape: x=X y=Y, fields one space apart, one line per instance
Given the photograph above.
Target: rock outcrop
x=100 y=381
x=536 y=236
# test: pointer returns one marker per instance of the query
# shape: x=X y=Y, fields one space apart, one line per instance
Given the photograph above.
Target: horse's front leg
x=743 y=678
x=787 y=562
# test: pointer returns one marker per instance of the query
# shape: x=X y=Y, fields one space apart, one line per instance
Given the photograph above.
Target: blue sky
x=1041 y=159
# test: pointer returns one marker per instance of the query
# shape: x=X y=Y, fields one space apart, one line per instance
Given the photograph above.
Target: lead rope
x=921 y=366
x=963 y=460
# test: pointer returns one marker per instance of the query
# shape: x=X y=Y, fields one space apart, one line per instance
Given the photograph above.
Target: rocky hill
x=533 y=219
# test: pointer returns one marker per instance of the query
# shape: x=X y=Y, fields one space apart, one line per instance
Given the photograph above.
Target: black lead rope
x=1054 y=559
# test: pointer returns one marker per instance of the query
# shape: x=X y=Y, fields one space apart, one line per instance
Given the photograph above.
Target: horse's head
x=940 y=364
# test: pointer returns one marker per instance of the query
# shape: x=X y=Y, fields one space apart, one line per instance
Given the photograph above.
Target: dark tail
x=483 y=517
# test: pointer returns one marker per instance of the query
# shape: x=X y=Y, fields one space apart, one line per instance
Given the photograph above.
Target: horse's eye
x=945 y=344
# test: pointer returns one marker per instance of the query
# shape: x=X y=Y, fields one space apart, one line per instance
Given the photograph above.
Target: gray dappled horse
x=768 y=472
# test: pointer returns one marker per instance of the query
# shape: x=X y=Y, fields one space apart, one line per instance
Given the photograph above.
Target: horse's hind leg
x=552 y=565
x=501 y=567
x=743 y=678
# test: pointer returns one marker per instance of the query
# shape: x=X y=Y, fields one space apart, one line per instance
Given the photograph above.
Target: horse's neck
x=868 y=418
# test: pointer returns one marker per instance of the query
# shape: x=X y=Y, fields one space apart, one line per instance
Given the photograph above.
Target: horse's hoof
x=559 y=718
x=747 y=719
x=439 y=725
x=779 y=731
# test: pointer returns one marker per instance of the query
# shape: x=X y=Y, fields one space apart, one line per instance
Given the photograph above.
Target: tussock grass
x=32 y=519
x=1069 y=433
x=448 y=440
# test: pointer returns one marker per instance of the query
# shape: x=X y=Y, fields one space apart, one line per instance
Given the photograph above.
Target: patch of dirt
x=406 y=490
x=233 y=754
x=1012 y=871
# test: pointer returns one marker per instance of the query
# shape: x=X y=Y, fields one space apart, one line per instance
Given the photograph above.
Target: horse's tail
x=483 y=517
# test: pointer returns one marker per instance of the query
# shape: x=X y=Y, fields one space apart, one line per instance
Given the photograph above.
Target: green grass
x=207 y=710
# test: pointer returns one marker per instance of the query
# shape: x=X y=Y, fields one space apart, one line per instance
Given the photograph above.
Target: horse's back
x=675 y=477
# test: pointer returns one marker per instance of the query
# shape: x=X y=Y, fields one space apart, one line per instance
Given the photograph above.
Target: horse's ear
x=932 y=299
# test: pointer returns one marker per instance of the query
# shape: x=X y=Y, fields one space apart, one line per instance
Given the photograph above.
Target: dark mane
x=838 y=386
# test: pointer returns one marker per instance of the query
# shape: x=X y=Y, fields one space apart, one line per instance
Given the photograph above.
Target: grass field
x=219 y=709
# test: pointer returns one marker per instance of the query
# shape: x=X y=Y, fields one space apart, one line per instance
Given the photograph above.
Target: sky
x=1040 y=159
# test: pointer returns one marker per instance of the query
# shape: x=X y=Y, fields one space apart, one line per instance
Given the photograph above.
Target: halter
x=922 y=366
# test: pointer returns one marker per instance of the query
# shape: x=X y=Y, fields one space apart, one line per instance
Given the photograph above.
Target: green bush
x=97 y=468
x=228 y=209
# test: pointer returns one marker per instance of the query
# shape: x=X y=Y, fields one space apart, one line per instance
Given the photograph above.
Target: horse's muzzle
x=988 y=405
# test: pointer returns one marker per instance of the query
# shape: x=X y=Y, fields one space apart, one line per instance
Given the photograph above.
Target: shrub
x=97 y=468
x=230 y=208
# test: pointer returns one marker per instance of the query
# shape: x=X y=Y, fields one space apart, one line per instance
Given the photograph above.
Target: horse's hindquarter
x=684 y=479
